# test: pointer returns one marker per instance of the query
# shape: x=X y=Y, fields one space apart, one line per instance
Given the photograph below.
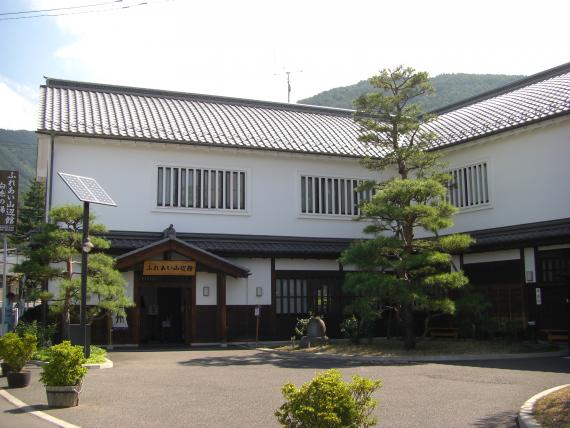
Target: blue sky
x=242 y=48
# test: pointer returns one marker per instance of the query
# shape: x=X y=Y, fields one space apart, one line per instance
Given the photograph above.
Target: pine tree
x=396 y=268
x=59 y=244
x=31 y=213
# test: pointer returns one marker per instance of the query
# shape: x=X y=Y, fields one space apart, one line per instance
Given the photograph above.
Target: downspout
x=51 y=161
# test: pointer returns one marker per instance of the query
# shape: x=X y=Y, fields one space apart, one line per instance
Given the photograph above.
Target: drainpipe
x=51 y=162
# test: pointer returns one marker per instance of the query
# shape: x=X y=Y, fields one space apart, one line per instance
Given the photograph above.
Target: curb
x=525 y=418
x=37 y=413
x=108 y=364
x=418 y=359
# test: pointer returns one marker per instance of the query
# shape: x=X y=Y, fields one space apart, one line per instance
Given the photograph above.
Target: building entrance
x=164 y=314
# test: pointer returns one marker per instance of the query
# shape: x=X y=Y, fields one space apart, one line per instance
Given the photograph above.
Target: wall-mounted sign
x=169 y=267
x=8 y=201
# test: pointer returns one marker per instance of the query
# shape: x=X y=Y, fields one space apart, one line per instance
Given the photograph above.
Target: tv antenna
x=288 y=73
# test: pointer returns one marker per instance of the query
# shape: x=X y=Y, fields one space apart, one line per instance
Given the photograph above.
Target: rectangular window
x=212 y=189
x=469 y=186
x=331 y=196
x=291 y=296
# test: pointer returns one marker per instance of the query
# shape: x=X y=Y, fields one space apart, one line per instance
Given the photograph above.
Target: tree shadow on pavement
x=278 y=360
x=503 y=419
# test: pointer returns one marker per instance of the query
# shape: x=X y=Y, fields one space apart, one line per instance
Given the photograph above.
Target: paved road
x=241 y=388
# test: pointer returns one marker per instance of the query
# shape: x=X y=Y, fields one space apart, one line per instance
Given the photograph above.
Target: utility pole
x=288 y=73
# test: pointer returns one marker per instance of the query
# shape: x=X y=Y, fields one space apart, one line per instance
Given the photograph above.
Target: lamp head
x=87 y=245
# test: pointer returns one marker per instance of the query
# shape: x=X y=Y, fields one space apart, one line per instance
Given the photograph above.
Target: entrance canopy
x=219 y=264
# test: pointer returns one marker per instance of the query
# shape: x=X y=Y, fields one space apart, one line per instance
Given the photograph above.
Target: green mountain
x=450 y=88
x=18 y=151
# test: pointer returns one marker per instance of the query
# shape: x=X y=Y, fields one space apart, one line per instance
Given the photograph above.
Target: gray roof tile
x=88 y=109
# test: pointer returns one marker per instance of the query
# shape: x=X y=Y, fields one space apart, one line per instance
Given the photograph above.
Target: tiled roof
x=87 y=109
x=237 y=245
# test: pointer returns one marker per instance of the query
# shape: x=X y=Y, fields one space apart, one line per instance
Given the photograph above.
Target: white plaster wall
x=205 y=279
x=529 y=265
x=241 y=291
x=127 y=171
x=528 y=177
x=129 y=278
x=491 y=256
x=306 y=264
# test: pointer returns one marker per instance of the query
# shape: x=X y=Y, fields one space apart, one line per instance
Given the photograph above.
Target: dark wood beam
x=221 y=307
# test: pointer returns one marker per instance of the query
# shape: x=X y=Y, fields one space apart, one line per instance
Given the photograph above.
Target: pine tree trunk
x=408 y=327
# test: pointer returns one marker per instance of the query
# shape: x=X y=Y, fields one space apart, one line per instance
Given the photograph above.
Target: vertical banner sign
x=8 y=201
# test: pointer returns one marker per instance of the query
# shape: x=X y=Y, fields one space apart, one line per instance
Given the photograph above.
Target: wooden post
x=194 y=314
x=136 y=337
x=221 y=307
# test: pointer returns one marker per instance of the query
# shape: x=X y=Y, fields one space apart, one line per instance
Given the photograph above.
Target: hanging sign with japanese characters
x=8 y=201
x=167 y=267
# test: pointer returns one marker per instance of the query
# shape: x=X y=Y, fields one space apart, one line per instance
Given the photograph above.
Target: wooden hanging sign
x=169 y=267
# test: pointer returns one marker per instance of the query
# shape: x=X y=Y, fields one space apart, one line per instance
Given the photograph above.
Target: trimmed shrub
x=16 y=351
x=329 y=402
x=351 y=329
x=65 y=366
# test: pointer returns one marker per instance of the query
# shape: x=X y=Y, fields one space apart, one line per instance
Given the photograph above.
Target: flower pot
x=19 y=379
x=5 y=369
x=63 y=396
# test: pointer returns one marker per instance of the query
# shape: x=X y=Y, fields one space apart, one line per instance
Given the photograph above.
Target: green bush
x=301 y=327
x=16 y=351
x=44 y=334
x=329 y=402
x=97 y=355
x=65 y=366
x=351 y=329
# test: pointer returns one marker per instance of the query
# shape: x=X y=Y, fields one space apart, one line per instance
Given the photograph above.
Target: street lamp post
x=87 y=190
x=86 y=246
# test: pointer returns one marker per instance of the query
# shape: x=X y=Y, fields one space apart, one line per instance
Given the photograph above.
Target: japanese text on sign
x=8 y=200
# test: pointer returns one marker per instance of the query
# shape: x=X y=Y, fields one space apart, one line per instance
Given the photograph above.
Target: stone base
x=309 y=342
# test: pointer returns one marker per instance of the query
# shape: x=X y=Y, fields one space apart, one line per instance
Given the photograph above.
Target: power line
x=60 y=8
x=112 y=9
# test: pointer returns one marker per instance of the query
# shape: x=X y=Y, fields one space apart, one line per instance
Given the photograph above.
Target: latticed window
x=331 y=196
x=291 y=296
x=469 y=186
x=216 y=189
x=554 y=266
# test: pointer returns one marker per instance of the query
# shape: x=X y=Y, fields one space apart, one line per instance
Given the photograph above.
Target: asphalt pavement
x=241 y=388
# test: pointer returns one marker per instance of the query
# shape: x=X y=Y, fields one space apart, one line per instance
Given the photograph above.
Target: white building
x=261 y=197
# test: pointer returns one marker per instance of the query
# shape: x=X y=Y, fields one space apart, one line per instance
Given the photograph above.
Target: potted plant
x=16 y=351
x=63 y=375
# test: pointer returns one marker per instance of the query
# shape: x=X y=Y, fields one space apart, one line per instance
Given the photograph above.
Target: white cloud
x=18 y=110
x=235 y=48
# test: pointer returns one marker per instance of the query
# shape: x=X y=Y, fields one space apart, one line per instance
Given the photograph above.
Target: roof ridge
x=75 y=84
x=510 y=87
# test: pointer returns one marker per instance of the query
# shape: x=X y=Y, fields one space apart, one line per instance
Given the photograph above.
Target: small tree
x=329 y=402
x=396 y=268
x=31 y=214
x=59 y=244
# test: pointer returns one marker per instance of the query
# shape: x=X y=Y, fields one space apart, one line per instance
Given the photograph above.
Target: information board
x=8 y=201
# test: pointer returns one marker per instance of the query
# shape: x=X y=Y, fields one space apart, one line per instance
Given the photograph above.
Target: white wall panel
x=491 y=256
x=205 y=279
x=306 y=264
x=241 y=291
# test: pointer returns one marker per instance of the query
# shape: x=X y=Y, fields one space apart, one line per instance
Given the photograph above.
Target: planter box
x=63 y=396
x=19 y=379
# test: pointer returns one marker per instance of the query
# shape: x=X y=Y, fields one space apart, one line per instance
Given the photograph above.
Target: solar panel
x=87 y=189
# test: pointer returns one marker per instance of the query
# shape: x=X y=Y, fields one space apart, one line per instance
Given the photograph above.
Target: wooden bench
x=556 y=335
x=444 y=332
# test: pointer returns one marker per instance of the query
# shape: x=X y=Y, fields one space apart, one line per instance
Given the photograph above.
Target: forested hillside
x=18 y=151
x=450 y=88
